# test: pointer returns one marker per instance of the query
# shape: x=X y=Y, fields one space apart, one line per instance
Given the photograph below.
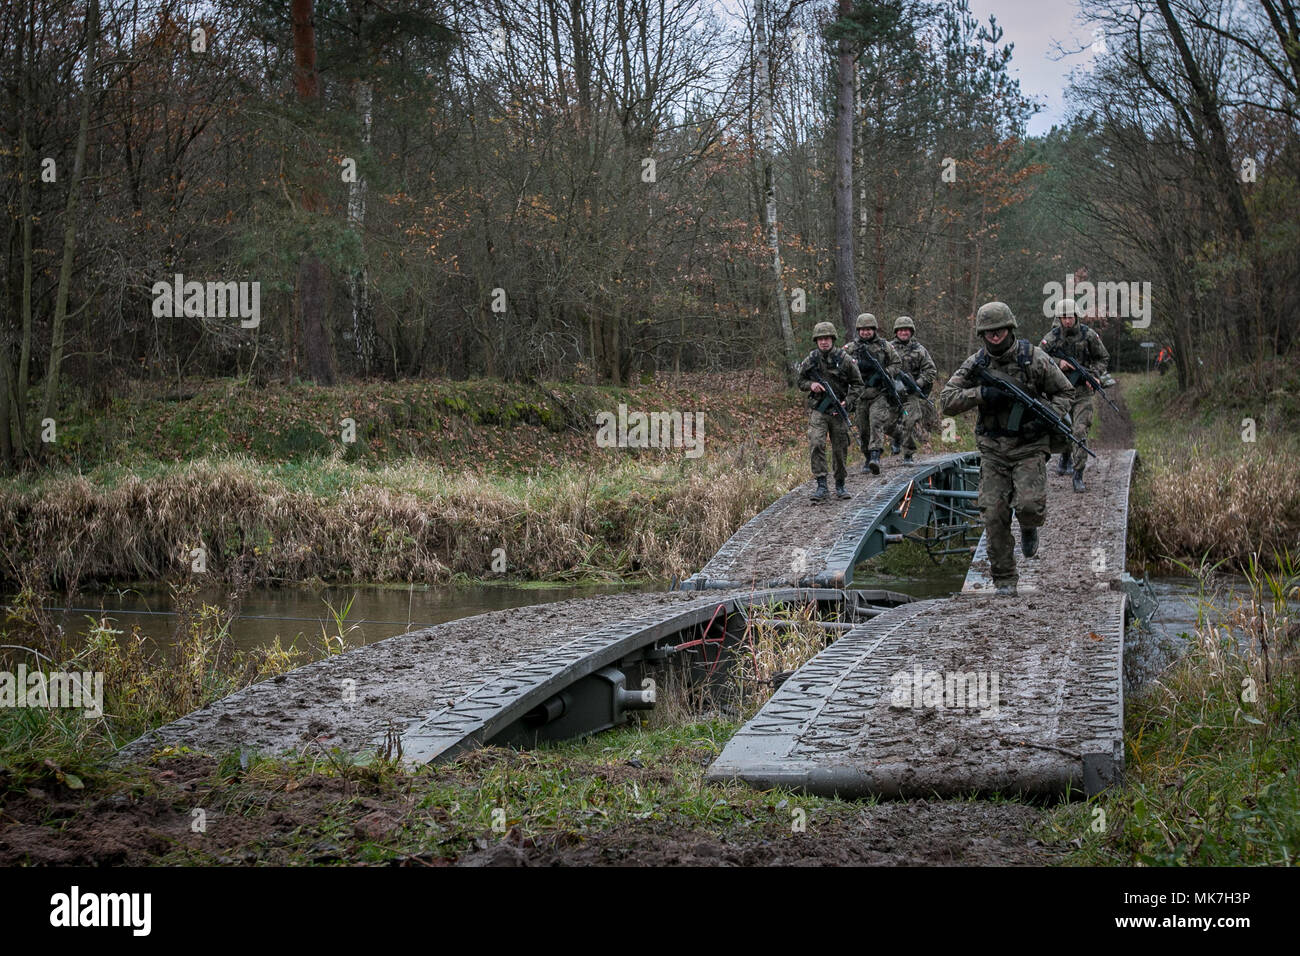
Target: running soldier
x=1012 y=443
x=876 y=414
x=841 y=373
x=1073 y=338
x=914 y=359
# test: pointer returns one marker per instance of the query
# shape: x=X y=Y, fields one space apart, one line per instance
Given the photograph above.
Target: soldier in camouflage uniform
x=1073 y=338
x=841 y=373
x=875 y=412
x=1013 y=446
x=914 y=359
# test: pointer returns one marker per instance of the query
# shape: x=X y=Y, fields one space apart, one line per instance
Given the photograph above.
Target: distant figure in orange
x=1164 y=359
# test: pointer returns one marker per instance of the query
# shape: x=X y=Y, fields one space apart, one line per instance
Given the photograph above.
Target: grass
x=142 y=690
x=567 y=793
x=1213 y=753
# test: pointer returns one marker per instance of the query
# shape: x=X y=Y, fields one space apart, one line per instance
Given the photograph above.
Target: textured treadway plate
x=795 y=543
x=449 y=686
x=502 y=698
x=1048 y=716
x=1085 y=534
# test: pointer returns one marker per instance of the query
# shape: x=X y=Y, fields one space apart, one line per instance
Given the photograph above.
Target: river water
x=301 y=616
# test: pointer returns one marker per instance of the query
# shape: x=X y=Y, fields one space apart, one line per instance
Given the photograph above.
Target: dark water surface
x=300 y=616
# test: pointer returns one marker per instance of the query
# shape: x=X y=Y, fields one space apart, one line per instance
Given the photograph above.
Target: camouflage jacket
x=1083 y=345
x=884 y=354
x=916 y=361
x=840 y=372
x=1025 y=365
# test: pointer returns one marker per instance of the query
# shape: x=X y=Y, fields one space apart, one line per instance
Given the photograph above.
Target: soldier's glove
x=993 y=398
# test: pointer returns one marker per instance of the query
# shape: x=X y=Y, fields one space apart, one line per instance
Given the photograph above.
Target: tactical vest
x=1013 y=422
x=832 y=369
x=870 y=377
x=910 y=356
x=1077 y=349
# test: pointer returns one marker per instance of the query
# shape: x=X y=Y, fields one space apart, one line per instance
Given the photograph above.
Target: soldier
x=1013 y=445
x=875 y=412
x=841 y=373
x=1071 y=337
x=914 y=358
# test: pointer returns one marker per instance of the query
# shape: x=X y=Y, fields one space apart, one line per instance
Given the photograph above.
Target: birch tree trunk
x=769 y=189
x=363 y=329
x=845 y=284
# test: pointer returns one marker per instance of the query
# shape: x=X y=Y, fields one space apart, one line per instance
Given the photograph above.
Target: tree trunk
x=317 y=355
x=363 y=327
x=845 y=285
x=769 y=192
x=70 y=222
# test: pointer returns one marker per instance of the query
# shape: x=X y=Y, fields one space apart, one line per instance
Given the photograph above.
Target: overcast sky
x=1035 y=26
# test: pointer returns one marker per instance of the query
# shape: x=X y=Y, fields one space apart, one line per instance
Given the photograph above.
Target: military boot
x=907 y=458
x=866 y=464
x=1063 y=466
x=840 y=492
x=893 y=448
x=1078 y=480
x=1008 y=589
x=874 y=462
x=1029 y=542
x=822 y=492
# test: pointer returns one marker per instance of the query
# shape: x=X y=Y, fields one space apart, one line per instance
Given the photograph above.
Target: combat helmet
x=1066 y=307
x=867 y=321
x=904 y=322
x=994 y=315
x=823 y=328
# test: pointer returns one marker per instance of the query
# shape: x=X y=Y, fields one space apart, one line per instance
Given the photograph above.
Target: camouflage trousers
x=819 y=424
x=1081 y=409
x=874 y=418
x=909 y=430
x=1013 y=479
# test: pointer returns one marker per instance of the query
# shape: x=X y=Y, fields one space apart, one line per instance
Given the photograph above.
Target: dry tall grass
x=410 y=522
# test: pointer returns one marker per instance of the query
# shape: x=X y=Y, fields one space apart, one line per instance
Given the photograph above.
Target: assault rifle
x=1084 y=375
x=1045 y=414
x=831 y=399
x=912 y=388
x=887 y=384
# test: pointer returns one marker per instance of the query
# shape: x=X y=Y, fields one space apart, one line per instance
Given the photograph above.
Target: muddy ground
x=328 y=819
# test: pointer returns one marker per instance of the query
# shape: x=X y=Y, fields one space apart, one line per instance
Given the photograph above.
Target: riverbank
x=445 y=481
x=1219 y=482
x=478 y=480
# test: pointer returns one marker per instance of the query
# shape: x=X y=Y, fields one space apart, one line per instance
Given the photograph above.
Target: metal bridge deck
x=793 y=542
x=896 y=707
x=444 y=689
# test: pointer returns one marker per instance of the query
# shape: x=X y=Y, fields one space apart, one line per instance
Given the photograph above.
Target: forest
x=597 y=192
